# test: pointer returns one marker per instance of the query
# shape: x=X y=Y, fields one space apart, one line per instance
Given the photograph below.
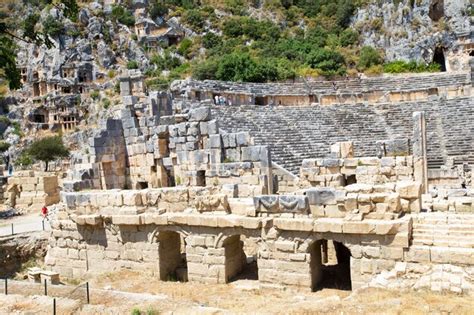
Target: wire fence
x=79 y=293
x=17 y=228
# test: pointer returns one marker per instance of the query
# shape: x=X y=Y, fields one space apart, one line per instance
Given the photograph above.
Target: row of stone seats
x=296 y=133
x=385 y=83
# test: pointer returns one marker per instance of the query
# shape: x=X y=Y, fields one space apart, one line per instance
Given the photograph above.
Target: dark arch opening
x=330 y=265
x=142 y=185
x=239 y=265
x=438 y=58
x=436 y=10
x=172 y=257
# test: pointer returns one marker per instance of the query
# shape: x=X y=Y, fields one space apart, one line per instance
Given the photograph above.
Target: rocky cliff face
x=422 y=30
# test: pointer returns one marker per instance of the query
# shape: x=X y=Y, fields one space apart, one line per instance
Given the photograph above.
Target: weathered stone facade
x=194 y=196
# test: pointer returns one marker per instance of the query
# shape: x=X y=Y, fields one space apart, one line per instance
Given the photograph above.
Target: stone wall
x=31 y=191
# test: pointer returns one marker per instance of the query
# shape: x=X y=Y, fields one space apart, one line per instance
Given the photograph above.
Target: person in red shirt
x=44 y=212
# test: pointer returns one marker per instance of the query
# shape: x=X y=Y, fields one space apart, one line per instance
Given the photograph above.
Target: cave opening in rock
x=436 y=10
x=438 y=58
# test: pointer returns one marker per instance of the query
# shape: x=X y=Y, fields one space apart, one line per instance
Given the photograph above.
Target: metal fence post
x=45 y=287
x=87 y=292
x=42 y=222
x=6 y=286
x=54 y=306
x=12 y=229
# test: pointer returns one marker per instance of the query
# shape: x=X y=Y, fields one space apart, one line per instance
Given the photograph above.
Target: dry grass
x=145 y=291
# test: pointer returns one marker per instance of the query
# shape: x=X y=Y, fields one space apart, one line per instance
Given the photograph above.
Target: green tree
x=369 y=57
x=329 y=62
x=48 y=149
x=236 y=67
x=205 y=70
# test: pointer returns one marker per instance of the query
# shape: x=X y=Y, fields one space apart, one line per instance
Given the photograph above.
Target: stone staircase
x=296 y=133
x=444 y=230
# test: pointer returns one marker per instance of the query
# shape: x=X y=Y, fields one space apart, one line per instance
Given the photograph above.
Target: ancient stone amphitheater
x=361 y=182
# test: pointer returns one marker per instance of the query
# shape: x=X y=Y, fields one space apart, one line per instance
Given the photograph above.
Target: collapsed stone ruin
x=321 y=196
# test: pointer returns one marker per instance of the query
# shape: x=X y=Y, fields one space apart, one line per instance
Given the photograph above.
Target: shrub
x=158 y=9
x=122 y=15
x=349 y=37
x=236 y=7
x=106 y=103
x=184 y=47
x=5 y=120
x=376 y=24
x=369 y=57
x=211 y=40
x=48 y=149
x=400 y=66
x=232 y=27
x=374 y=70
x=4 y=146
x=53 y=27
x=132 y=64
x=195 y=19
x=17 y=129
x=167 y=62
x=95 y=95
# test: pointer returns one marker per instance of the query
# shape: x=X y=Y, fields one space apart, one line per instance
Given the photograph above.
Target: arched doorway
x=330 y=265
x=240 y=259
x=172 y=257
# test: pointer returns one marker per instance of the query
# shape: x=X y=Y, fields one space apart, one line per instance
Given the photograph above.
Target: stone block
x=328 y=226
x=200 y=114
x=285 y=246
x=352 y=227
x=408 y=189
x=321 y=196
x=296 y=224
x=215 y=141
x=298 y=204
x=243 y=139
x=251 y=154
x=229 y=140
x=126 y=220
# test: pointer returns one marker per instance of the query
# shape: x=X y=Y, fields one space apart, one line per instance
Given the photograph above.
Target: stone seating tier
x=297 y=133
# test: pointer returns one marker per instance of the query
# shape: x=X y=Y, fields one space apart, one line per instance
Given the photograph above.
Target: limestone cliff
x=422 y=30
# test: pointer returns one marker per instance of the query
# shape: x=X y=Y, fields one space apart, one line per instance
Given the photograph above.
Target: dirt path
x=22 y=224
